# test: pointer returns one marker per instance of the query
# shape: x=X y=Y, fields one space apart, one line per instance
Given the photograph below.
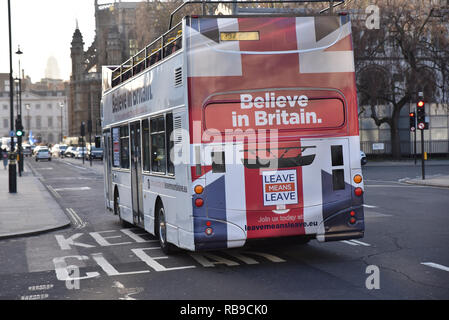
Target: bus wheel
x=166 y=247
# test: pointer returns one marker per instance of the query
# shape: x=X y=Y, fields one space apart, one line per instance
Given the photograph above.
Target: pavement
x=438 y=180
x=31 y=210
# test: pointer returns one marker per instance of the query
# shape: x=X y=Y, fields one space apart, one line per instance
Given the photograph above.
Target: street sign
x=12 y=134
x=378 y=146
x=421 y=126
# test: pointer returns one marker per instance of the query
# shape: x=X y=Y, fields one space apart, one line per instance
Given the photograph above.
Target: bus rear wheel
x=161 y=231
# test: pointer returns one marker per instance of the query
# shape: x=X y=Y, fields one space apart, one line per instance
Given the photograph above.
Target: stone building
x=44 y=111
x=115 y=41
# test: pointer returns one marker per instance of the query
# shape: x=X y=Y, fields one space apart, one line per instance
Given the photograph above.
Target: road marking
x=53 y=191
x=78 y=222
x=35 y=297
x=435 y=265
x=73 y=189
x=73 y=165
x=40 y=287
x=369 y=206
x=356 y=243
x=49 y=168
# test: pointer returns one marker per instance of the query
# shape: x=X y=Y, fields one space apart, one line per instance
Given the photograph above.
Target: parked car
x=69 y=152
x=80 y=152
x=94 y=153
x=363 y=159
x=43 y=154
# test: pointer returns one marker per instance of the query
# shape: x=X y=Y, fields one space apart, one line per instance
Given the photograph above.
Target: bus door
x=107 y=149
x=136 y=173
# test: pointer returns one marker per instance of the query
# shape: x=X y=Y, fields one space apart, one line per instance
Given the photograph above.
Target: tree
x=407 y=55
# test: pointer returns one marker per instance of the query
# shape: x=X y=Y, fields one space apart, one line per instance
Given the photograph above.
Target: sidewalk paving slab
x=31 y=210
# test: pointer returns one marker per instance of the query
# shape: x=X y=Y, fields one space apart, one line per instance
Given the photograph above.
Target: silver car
x=43 y=154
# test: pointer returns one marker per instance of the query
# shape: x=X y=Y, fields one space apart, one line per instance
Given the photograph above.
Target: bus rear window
x=281 y=113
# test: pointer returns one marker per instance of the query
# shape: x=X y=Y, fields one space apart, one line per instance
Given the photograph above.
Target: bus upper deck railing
x=171 y=41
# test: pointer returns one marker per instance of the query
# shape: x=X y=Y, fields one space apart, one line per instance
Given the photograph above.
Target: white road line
x=356 y=243
x=35 y=297
x=436 y=265
x=68 y=163
x=73 y=189
x=361 y=243
x=349 y=242
x=79 y=223
x=53 y=191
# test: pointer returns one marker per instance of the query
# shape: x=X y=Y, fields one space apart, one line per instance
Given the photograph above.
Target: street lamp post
x=19 y=118
x=12 y=157
x=61 y=105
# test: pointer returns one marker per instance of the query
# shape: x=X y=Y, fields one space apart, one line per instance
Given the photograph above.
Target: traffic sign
x=12 y=134
x=421 y=126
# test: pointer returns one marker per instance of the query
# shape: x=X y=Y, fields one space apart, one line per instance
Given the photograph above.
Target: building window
x=38 y=106
x=50 y=106
x=146 y=145
x=28 y=122
x=5 y=123
x=5 y=107
x=158 y=152
x=124 y=147
x=38 y=122
x=50 y=122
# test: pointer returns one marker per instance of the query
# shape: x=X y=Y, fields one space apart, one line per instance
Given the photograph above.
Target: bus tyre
x=161 y=231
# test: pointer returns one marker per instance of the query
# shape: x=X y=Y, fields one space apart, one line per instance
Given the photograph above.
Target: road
x=406 y=241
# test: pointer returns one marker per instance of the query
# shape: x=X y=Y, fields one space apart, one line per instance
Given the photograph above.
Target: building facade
x=44 y=114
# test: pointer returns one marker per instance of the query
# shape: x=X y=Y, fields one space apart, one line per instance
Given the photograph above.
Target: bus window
x=170 y=143
x=158 y=153
x=124 y=147
x=146 y=145
x=115 y=147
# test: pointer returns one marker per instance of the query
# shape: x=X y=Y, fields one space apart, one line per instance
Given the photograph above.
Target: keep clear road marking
x=436 y=265
x=356 y=243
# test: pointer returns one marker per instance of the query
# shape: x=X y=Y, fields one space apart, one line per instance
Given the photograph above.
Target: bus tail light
x=358 y=192
x=199 y=202
x=352 y=220
x=208 y=223
x=208 y=231
x=352 y=213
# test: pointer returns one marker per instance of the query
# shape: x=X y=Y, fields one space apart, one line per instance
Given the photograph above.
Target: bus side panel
x=122 y=181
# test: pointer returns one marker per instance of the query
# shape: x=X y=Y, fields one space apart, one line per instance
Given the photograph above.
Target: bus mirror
x=97 y=142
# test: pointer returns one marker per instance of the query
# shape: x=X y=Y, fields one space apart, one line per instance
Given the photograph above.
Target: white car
x=80 y=152
x=43 y=154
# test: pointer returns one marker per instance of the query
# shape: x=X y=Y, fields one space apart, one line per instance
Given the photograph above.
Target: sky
x=44 y=28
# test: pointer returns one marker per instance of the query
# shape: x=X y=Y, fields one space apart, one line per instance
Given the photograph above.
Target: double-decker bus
x=237 y=127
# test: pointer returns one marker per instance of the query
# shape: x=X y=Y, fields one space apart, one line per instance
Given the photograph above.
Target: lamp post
x=12 y=169
x=61 y=105
x=19 y=126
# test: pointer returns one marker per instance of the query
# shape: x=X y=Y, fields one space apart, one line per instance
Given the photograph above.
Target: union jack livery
x=231 y=128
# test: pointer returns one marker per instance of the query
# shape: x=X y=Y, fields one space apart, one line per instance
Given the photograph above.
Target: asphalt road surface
x=404 y=254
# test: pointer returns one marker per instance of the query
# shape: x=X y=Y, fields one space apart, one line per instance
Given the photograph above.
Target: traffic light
x=19 y=128
x=83 y=129
x=421 y=114
x=412 y=121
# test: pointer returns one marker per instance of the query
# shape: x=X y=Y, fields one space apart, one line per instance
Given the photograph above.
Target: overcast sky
x=44 y=28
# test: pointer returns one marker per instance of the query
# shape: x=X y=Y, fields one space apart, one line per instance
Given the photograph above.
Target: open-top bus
x=237 y=127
